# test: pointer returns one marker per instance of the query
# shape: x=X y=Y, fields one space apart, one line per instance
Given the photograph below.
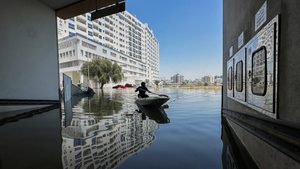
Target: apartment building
x=123 y=34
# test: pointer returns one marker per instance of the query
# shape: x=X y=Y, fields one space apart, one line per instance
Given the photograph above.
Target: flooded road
x=109 y=131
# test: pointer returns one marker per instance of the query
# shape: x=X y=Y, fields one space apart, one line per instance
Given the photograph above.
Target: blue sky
x=189 y=33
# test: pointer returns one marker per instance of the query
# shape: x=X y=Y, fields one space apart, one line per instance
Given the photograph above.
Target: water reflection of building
x=91 y=142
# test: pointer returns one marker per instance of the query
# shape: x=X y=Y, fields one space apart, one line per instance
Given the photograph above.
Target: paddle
x=160 y=94
x=155 y=93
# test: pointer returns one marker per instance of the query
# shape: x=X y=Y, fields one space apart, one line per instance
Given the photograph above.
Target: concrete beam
x=83 y=7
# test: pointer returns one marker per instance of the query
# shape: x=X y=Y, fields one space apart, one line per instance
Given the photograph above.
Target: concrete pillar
x=28 y=51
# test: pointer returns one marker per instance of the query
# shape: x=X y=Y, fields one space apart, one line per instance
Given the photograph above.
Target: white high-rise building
x=126 y=40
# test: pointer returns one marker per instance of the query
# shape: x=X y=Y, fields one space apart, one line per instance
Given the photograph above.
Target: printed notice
x=231 y=51
x=241 y=40
x=261 y=16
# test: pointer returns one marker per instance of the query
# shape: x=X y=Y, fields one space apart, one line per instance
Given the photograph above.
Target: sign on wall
x=261 y=16
x=230 y=51
x=241 y=40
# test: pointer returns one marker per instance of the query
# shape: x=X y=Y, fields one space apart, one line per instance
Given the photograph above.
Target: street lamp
x=88 y=73
x=88 y=69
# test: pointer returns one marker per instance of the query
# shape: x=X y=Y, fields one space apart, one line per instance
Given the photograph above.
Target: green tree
x=156 y=82
x=102 y=71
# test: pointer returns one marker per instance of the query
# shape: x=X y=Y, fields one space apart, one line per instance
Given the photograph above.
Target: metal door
x=262 y=56
x=67 y=84
x=230 y=84
x=239 y=75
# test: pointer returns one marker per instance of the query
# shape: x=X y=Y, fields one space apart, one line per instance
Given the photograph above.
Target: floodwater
x=110 y=131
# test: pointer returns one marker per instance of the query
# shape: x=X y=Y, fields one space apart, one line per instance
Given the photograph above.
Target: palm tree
x=102 y=71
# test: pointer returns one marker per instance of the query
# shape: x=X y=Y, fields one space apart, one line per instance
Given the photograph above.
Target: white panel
x=230 y=84
x=261 y=69
x=239 y=75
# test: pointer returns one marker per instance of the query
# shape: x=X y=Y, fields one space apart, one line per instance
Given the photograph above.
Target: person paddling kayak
x=142 y=90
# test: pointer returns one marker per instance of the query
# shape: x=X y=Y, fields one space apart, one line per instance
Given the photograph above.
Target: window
x=88 y=45
x=77 y=142
x=71 y=26
x=239 y=76
x=259 y=72
x=90 y=33
x=123 y=58
x=229 y=78
x=113 y=54
x=90 y=26
x=104 y=51
x=69 y=64
x=71 y=34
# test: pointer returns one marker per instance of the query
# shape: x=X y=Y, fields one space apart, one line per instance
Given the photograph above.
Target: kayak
x=152 y=101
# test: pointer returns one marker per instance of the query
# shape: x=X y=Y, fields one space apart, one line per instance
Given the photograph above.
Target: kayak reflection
x=157 y=114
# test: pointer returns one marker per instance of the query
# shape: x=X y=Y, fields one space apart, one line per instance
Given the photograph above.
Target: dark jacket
x=142 y=91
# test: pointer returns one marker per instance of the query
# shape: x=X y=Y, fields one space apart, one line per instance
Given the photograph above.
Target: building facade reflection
x=92 y=141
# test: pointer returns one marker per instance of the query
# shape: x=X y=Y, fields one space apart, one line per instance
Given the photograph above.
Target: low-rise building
x=208 y=79
x=218 y=81
x=76 y=50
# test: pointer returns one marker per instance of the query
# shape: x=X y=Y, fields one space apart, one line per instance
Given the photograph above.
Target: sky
x=189 y=34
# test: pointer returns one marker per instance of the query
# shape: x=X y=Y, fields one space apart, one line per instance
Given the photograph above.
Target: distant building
x=216 y=77
x=177 y=78
x=208 y=79
x=218 y=81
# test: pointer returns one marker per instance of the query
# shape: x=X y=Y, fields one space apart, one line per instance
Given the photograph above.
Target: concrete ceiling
x=56 y=4
x=66 y=9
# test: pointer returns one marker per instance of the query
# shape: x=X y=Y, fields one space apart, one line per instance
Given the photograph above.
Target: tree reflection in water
x=102 y=104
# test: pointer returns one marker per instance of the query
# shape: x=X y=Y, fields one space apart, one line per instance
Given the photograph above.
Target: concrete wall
x=264 y=155
x=239 y=16
x=28 y=51
x=289 y=62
